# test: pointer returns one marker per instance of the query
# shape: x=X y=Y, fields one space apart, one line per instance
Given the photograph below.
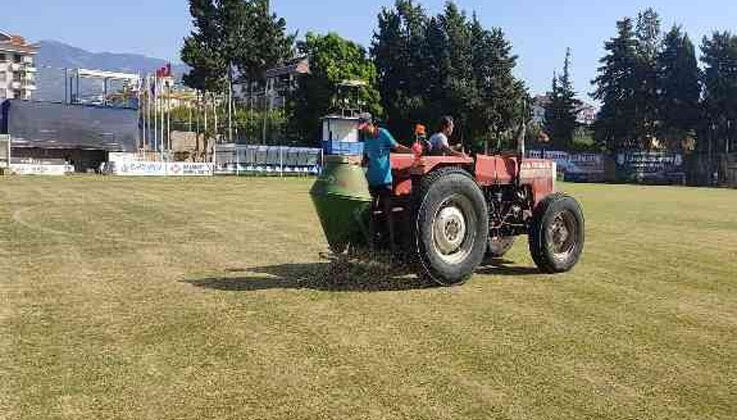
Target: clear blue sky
x=539 y=30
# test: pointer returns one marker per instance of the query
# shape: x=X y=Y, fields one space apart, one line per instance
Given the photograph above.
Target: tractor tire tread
x=537 y=246
x=426 y=186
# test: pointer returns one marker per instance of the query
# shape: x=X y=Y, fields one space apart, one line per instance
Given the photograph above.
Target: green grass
x=207 y=298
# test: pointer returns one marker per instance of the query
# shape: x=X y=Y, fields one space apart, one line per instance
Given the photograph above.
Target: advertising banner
x=576 y=167
x=61 y=126
x=38 y=169
x=133 y=168
x=655 y=167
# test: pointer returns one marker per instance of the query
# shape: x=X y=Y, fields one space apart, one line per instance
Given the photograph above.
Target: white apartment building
x=17 y=67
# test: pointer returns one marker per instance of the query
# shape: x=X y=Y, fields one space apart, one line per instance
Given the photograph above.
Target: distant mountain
x=53 y=57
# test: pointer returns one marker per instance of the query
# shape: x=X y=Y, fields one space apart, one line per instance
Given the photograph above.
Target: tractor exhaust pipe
x=521 y=144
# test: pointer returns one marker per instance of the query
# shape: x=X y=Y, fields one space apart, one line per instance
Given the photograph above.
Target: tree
x=617 y=82
x=405 y=61
x=446 y=64
x=561 y=113
x=333 y=60
x=679 y=89
x=646 y=94
x=202 y=49
x=435 y=72
x=496 y=112
x=648 y=34
x=719 y=56
x=232 y=33
x=460 y=87
x=269 y=43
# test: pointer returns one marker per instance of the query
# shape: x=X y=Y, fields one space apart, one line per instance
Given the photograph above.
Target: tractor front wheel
x=451 y=226
x=557 y=234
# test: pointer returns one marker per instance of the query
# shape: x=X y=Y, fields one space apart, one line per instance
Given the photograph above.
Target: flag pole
x=168 y=117
x=141 y=111
x=156 y=110
x=161 y=115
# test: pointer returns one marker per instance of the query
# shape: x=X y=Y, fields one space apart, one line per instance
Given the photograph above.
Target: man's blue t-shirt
x=377 y=150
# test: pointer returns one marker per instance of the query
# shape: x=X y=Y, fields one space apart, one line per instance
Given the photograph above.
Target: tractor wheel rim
x=562 y=233
x=452 y=238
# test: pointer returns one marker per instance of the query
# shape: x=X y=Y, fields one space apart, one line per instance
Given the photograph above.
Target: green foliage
x=648 y=35
x=253 y=125
x=268 y=42
x=333 y=60
x=267 y=126
x=496 y=111
x=202 y=49
x=412 y=59
x=651 y=87
x=720 y=96
x=229 y=34
x=679 y=89
x=646 y=93
x=561 y=113
x=616 y=84
x=583 y=141
x=447 y=64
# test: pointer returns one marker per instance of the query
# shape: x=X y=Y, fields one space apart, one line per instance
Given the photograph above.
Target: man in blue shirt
x=377 y=148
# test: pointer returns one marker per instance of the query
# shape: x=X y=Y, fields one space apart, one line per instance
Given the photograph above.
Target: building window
x=16 y=94
x=3 y=58
x=3 y=76
x=3 y=93
x=17 y=58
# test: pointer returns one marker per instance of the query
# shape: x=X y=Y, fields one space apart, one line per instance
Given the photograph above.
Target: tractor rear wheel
x=556 y=236
x=451 y=226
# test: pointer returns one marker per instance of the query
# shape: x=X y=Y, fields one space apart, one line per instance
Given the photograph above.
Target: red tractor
x=452 y=213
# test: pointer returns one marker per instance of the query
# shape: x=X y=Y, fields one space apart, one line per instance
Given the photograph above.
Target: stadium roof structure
x=110 y=75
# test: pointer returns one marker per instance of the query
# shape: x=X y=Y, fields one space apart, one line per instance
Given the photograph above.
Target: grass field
x=208 y=298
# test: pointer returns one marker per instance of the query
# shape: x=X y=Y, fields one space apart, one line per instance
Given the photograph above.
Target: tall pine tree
x=646 y=93
x=445 y=65
x=561 y=113
x=679 y=90
x=616 y=86
x=460 y=86
x=719 y=55
x=497 y=109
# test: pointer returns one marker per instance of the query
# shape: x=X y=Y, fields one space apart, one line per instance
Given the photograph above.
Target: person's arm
x=401 y=149
x=450 y=151
x=395 y=146
x=453 y=152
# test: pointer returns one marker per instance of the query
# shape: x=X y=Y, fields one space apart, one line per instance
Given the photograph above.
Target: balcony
x=30 y=68
x=29 y=85
x=15 y=67
x=15 y=85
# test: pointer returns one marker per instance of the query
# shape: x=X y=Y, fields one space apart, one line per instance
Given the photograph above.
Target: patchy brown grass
x=207 y=298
